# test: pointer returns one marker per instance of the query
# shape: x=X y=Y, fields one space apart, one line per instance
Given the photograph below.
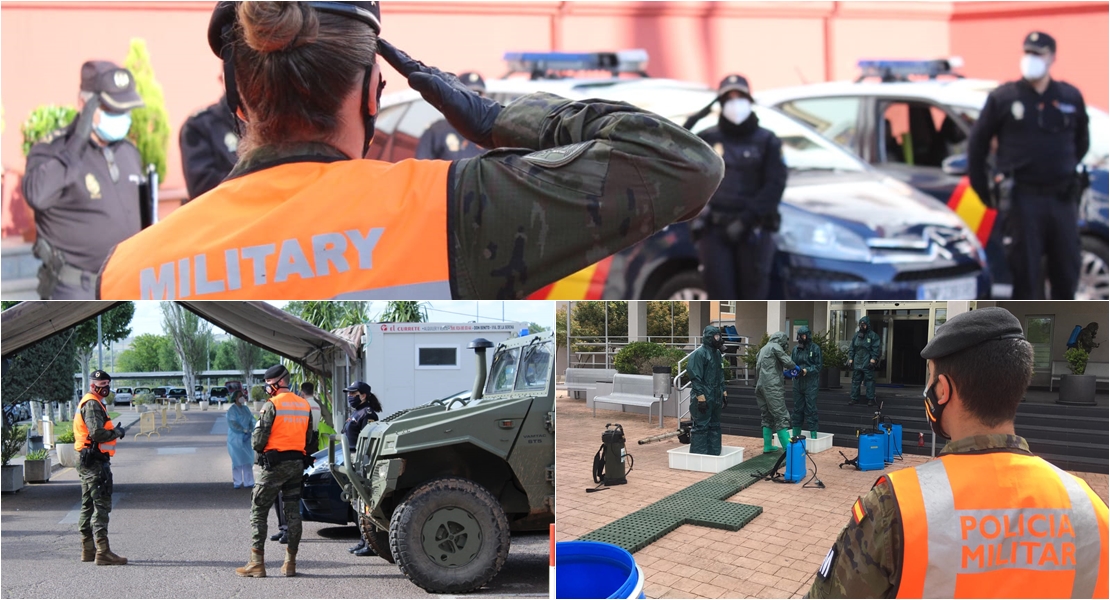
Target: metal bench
x=632 y=390
x=1101 y=371
x=584 y=380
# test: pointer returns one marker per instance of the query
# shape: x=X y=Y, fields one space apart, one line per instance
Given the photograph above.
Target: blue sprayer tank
x=796 y=461
x=872 y=449
x=894 y=441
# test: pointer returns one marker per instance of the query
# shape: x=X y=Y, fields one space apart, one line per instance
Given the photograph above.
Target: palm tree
x=404 y=311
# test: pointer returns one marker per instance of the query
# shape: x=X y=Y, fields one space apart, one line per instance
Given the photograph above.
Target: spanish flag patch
x=858 y=512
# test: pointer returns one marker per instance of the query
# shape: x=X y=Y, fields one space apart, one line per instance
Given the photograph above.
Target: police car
x=848 y=231
x=911 y=121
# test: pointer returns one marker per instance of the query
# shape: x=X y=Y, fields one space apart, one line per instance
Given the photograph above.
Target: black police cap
x=473 y=81
x=276 y=372
x=1039 y=42
x=358 y=386
x=99 y=375
x=224 y=17
x=969 y=329
x=734 y=83
x=114 y=84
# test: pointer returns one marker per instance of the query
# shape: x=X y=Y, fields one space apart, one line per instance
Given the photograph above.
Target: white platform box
x=680 y=458
x=823 y=442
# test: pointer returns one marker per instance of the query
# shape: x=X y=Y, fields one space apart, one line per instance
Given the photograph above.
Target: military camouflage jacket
x=570 y=183
x=867 y=557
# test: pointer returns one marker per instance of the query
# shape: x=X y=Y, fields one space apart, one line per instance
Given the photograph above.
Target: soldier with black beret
x=94 y=439
x=929 y=531
x=82 y=181
x=442 y=141
x=1041 y=125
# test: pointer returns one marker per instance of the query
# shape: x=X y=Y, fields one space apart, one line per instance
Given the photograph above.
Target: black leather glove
x=122 y=431
x=79 y=142
x=471 y=114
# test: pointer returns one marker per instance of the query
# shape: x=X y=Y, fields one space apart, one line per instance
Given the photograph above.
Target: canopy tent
x=260 y=323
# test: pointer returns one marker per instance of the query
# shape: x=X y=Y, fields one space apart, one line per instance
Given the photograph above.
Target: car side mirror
x=955 y=165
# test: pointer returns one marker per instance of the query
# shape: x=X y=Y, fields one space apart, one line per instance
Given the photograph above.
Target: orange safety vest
x=353 y=229
x=999 y=525
x=81 y=431
x=290 y=424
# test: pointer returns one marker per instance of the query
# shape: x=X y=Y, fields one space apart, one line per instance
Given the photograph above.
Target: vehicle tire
x=450 y=536
x=379 y=543
x=1094 y=282
x=686 y=285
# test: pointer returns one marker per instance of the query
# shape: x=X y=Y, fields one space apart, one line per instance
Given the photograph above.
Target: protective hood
x=780 y=338
x=865 y=321
x=707 y=335
x=803 y=330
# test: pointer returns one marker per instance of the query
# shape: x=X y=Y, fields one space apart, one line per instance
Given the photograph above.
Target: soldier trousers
x=805 y=402
x=772 y=408
x=286 y=478
x=96 y=500
x=1044 y=231
x=705 y=434
x=867 y=377
x=740 y=270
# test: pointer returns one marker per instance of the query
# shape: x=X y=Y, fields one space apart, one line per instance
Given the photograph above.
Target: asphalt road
x=184 y=530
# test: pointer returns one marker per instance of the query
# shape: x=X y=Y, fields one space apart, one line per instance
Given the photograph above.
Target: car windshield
x=123 y=390
x=535 y=367
x=503 y=372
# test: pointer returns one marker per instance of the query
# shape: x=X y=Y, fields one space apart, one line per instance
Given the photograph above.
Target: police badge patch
x=1018 y=110
x=93 y=186
x=719 y=148
x=231 y=141
x=452 y=142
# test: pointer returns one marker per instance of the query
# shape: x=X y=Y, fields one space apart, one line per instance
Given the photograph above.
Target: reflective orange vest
x=290 y=423
x=305 y=230
x=81 y=431
x=999 y=525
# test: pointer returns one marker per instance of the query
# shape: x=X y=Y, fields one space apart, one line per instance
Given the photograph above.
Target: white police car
x=911 y=120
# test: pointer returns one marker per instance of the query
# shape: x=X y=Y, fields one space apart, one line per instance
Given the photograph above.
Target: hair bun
x=277 y=26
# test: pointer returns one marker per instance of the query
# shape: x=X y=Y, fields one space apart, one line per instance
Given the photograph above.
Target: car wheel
x=686 y=285
x=450 y=536
x=1093 y=278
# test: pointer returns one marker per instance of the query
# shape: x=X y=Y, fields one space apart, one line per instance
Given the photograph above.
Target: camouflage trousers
x=96 y=500
x=286 y=478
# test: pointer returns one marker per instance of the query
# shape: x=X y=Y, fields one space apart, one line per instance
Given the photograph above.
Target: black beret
x=1039 y=42
x=971 y=329
x=276 y=372
x=98 y=375
x=358 y=386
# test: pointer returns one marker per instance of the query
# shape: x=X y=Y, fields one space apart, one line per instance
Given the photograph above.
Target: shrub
x=150 y=129
x=66 y=438
x=1077 y=360
x=11 y=441
x=258 y=393
x=143 y=398
x=751 y=353
x=832 y=355
x=44 y=120
x=669 y=358
x=631 y=358
x=38 y=455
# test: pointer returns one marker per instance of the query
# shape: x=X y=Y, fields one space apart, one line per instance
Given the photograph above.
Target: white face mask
x=1033 y=67
x=737 y=110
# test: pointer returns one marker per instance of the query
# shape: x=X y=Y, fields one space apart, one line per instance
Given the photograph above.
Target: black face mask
x=933 y=410
x=101 y=391
x=354 y=401
x=803 y=340
x=273 y=389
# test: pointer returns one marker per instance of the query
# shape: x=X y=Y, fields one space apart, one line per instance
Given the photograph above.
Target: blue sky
x=148 y=315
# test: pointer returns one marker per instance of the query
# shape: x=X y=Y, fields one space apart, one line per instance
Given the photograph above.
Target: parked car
x=321 y=499
x=180 y=394
x=198 y=393
x=160 y=393
x=218 y=394
x=916 y=131
x=848 y=231
x=124 y=395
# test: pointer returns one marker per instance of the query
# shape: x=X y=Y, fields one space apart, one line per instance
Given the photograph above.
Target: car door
x=914 y=138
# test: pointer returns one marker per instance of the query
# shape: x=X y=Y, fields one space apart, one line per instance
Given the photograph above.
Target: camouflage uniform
x=868 y=555
x=286 y=477
x=96 y=482
x=570 y=183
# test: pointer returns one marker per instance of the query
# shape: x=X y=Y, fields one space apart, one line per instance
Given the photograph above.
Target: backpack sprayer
x=794 y=461
x=879 y=444
x=609 y=462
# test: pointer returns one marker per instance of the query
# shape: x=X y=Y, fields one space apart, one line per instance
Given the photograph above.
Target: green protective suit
x=807 y=356
x=707 y=376
x=865 y=347
x=770 y=390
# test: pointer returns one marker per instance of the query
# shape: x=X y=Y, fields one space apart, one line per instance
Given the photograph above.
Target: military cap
x=737 y=83
x=970 y=329
x=114 y=84
x=99 y=375
x=276 y=372
x=1040 y=43
x=473 y=81
x=358 y=386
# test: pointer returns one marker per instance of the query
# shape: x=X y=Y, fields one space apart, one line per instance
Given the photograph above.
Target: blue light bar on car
x=624 y=61
x=902 y=69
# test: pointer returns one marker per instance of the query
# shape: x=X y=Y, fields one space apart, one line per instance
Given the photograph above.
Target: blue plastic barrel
x=596 y=570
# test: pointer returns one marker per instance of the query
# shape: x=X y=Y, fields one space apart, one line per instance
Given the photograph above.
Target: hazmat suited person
x=707 y=392
x=863 y=357
x=807 y=355
x=240 y=424
x=770 y=392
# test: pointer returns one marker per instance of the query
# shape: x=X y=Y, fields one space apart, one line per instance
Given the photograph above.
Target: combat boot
x=768 y=446
x=289 y=567
x=88 y=549
x=255 y=567
x=104 y=554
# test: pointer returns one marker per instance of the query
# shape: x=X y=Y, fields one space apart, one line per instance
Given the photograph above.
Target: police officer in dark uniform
x=83 y=182
x=365 y=407
x=442 y=141
x=735 y=232
x=1042 y=130
x=209 y=147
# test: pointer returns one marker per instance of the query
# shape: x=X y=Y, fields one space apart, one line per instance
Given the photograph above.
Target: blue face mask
x=113 y=127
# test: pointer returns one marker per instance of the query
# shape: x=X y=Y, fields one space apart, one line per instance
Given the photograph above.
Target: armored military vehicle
x=442 y=486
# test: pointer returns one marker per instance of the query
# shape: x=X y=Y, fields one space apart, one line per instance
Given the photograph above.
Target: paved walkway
x=775 y=556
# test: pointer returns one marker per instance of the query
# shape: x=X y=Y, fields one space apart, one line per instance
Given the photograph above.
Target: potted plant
x=751 y=353
x=1077 y=388
x=37 y=466
x=833 y=358
x=258 y=396
x=11 y=441
x=67 y=454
